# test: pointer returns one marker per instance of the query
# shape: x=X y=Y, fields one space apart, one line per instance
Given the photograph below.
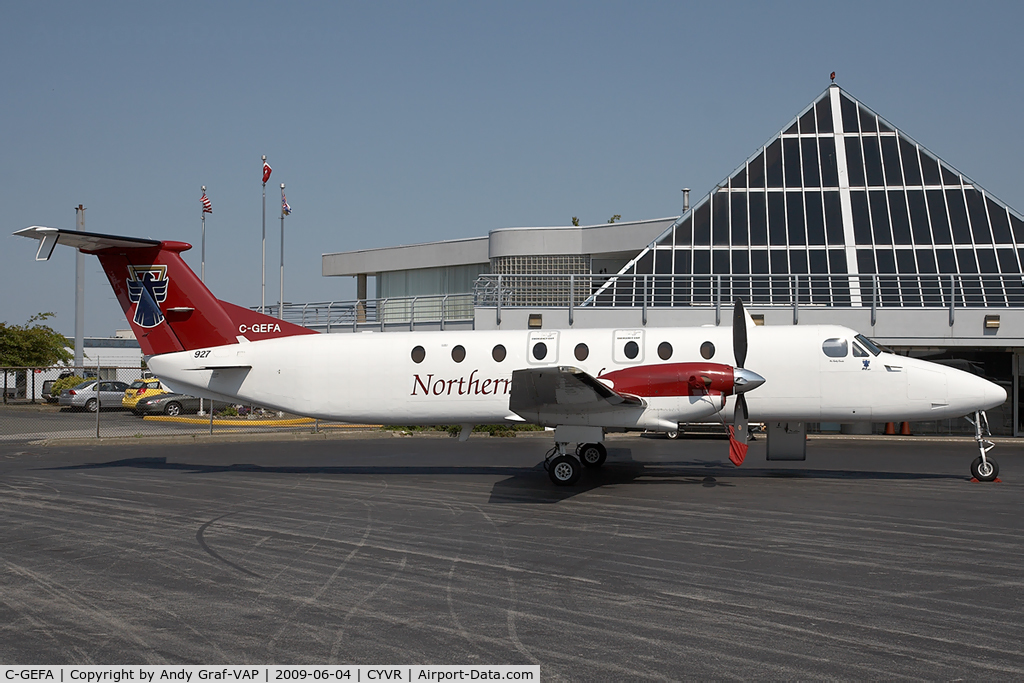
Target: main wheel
x=592 y=454
x=173 y=409
x=91 y=405
x=564 y=470
x=674 y=434
x=986 y=470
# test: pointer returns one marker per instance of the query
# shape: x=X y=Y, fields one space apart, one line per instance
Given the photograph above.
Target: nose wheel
x=983 y=468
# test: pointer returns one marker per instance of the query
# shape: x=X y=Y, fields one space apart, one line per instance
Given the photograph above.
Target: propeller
x=738 y=437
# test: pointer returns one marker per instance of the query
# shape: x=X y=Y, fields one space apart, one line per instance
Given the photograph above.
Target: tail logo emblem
x=147 y=288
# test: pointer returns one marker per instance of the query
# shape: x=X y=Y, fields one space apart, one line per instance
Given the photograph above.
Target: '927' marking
x=202 y=354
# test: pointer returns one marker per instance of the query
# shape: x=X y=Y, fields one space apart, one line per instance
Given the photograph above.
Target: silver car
x=84 y=396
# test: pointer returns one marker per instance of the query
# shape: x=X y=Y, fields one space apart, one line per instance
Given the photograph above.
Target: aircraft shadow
x=531 y=485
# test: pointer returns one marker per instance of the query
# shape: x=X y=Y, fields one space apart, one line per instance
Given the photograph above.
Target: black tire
x=565 y=470
x=987 y=471
x=674 y=434
x=91 y=405
x=592 y=454
x=173 y=409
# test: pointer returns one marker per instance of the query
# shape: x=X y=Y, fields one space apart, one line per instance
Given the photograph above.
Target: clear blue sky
x=402 y=122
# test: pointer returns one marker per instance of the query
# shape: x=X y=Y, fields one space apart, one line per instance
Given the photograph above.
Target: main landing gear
x=565 y=469
x=983 y=468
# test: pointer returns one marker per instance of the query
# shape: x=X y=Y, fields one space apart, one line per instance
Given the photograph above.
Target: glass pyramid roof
x=838 y=192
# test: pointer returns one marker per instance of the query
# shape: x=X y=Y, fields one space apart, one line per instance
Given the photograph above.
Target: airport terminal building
x=839 y=218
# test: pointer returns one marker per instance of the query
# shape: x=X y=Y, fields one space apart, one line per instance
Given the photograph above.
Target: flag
x=207 y=206
x=266 y=172
x=285 y=209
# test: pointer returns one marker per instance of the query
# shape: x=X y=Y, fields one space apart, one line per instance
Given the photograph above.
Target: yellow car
x=141 y=388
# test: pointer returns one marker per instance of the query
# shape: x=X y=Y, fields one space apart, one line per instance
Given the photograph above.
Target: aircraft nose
x=995 y=395
x=745 y=380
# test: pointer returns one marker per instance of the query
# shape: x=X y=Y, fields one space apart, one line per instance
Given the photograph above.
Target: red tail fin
x=166 y=304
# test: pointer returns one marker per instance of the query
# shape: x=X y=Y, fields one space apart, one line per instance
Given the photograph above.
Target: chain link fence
x=33 y=410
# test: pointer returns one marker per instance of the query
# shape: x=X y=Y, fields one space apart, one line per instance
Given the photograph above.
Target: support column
x=361 y=296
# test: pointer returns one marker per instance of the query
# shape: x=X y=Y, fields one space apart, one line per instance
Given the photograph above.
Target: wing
x=548 y=395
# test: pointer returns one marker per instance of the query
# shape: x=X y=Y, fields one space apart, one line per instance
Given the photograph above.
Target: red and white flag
x=207 y=206
x=266 y=172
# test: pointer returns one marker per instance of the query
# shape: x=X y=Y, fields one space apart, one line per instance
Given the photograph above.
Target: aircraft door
x=845 y=389
x=542 y=347
x=628 y=347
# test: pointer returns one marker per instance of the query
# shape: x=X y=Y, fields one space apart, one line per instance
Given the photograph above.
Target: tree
x=32 y=345
x=614 y=218
x=575 y=221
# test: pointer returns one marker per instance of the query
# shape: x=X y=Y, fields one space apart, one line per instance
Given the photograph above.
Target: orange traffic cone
x=890 y=428
x=905 y=429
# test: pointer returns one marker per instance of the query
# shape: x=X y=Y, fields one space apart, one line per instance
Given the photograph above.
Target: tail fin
x=166 y=304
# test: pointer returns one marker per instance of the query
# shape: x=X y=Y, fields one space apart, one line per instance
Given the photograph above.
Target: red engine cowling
x=672 y=379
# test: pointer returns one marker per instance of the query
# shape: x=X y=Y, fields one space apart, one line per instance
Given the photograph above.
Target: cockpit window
x=868 y=344
x=834 y=348
x=858 y=352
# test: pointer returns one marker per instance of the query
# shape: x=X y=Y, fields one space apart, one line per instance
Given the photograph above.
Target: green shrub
x=63 y=384
x=228 y=411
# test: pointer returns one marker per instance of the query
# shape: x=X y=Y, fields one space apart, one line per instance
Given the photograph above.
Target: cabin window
x=459 y=353
x=835 y=347
x=540 y=350
x=418 y=354
x=858 y=352
x=707 y=350
x=581 y=351
x=664 y=350
x=631 y=350
x=498 y=353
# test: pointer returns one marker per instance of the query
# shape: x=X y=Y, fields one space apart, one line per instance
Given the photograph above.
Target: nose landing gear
x=983 y=468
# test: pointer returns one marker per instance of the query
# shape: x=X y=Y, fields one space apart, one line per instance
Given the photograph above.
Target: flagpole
x=202 y=268
x=263 y=283
x=280 y=303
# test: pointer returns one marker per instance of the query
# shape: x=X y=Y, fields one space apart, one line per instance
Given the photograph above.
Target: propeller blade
x=739 y=334
x=741 y=418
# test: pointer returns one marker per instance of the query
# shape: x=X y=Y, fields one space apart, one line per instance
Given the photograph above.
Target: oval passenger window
x=834 y=348
x=418 y=354
x=707 y=350
x=581 y=352
x=664 y=350
x=498 y=353
x=540 y=349
x=459 y=353
x=631 y=349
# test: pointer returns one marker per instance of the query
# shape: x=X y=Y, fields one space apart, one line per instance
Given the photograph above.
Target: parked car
x=147 y=386
x=173 y=405
x=84 y=396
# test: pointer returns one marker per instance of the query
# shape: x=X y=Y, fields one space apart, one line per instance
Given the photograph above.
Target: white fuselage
x=373 y=377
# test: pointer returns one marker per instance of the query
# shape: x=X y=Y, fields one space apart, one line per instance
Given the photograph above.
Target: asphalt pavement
x=873 y=559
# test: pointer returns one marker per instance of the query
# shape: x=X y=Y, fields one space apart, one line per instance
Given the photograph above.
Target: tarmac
x=875 y=558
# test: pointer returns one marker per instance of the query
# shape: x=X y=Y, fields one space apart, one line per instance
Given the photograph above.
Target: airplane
x=583 y=383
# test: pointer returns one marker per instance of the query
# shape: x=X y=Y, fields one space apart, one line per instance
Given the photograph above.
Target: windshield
x=868 y=344
x=86 y=383
x=137 y=384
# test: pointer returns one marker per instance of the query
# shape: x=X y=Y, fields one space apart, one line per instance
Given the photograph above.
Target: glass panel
x=798 y=262
x=720 y=218
x=905 y=262
x=684 y=233
x=807 y=122
x=1018 y=229
x=886 y=261
x=739 y=218
x=791 y=130
x=947 y=264
x=779 y=262
x=663 y=261
x=720 y=262
x=900 y=219
x=702 y=225
x=682 y=259
x=966 y=261
x=911 y=167
x=1000 y=225
x=891 y=158
x=682 y=293
x=930 y=169
x=776 y=218
x=824 y=110
x=663 y=269
x=834 y=218
x=849 y=113
x=809 y=153
x=887 y=286
x=861 y=218
x=818 y=263
x=818 y=259
x=940 y=222
x=958 y=216
x=979 y=219
x=829 y=168
x=758 y=220
x=795 y=219
x=740 y=262
x=926 y=261
x=773 y=163
x=880 y=218
x=883 y=127
x=837 y=261
x=1008 y=261
x=987 y=261
x=791 y=158
x=740 y=179
x=815 y=219
x=854 y=162
x=931 y=287
x=702 y=262
x=866 y=261
x=910 y=289
x=919 y=217
x=644 y=263
x=759 y=261
x=948 y=176
x=756 y=170
x=867 y=121
x=873 y=162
